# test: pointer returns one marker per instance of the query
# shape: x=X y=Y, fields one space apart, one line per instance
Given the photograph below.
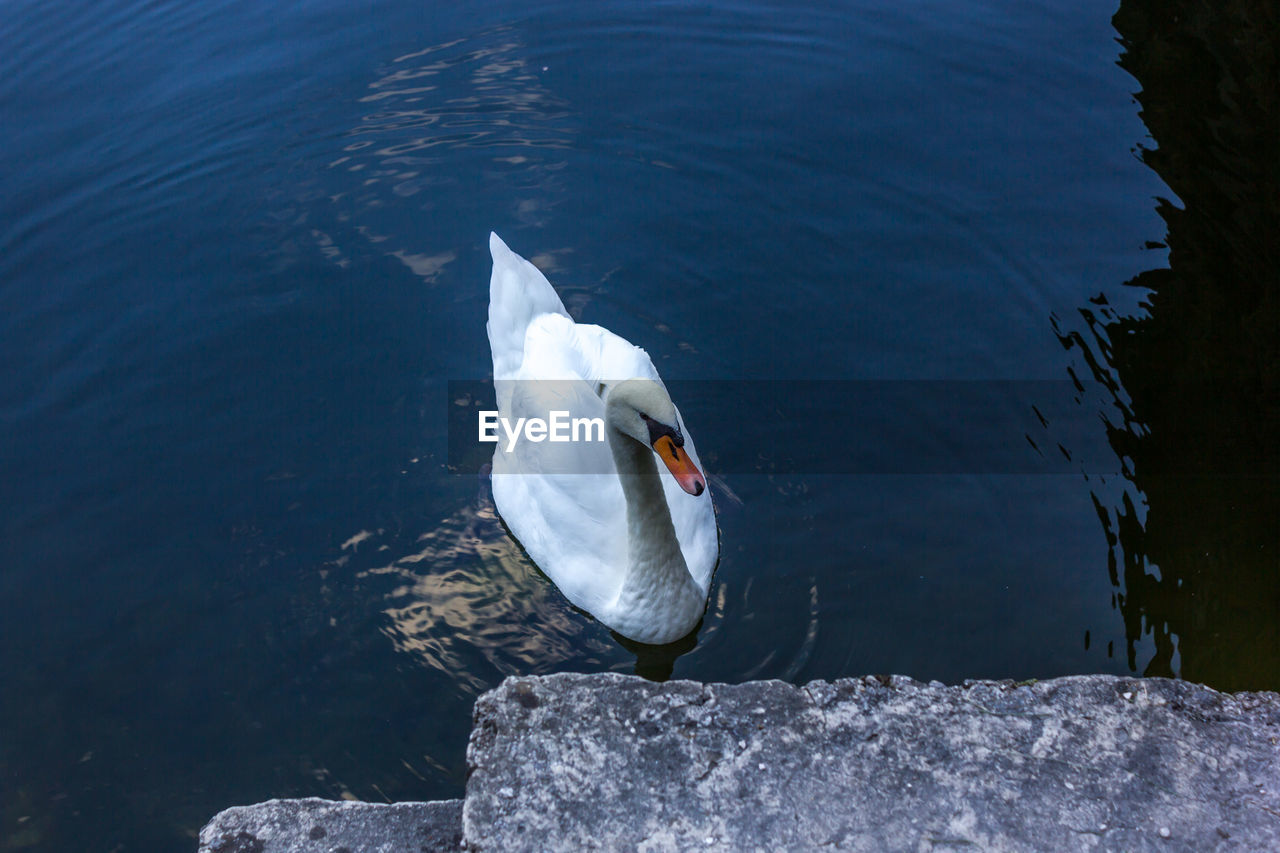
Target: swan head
x=642 y=409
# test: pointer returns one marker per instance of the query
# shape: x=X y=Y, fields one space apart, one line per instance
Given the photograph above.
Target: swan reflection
x=467 y=602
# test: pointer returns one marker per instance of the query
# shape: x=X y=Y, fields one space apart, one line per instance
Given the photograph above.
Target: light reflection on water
x=469 y=590
x=476 y=94
x=483 y=95
x=463 y=599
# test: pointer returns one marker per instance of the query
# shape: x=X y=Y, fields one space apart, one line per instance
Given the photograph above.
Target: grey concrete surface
x=611 y=762
x=607 y=762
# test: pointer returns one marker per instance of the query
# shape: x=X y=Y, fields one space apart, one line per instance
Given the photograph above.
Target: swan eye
x=657 y=430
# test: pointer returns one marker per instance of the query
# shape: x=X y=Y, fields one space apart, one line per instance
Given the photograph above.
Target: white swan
x=632 y=546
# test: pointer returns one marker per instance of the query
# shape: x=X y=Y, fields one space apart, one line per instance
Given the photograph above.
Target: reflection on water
x=466 y=601
x=491 y=98
x=434 y=128
x=1193 y=536
x=656 y=663
x=476 y=100
x=467 y=591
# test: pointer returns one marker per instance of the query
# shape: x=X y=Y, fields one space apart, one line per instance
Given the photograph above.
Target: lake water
x=882 y=250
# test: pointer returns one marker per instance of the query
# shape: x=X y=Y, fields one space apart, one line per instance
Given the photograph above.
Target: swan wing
x=563 y=500
x=518 y=293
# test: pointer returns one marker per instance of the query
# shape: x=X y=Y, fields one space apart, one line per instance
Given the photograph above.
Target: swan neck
x=658 y=591
x=649 y=523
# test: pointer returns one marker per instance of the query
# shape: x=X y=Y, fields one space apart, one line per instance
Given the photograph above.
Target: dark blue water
x=243 y=251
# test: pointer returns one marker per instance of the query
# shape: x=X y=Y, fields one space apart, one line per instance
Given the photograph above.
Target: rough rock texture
x=573 y=762
x=325 y=826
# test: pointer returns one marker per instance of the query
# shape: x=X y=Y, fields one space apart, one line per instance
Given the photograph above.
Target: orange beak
x=680 y=466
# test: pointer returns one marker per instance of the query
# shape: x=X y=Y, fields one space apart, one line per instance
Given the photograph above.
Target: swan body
x=629 y=543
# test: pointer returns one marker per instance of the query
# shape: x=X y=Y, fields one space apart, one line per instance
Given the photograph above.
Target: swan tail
x=518 y=292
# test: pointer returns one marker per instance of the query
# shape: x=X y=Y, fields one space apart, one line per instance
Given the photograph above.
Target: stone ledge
x=327 y=826
x=609 y=762
x=571 y=762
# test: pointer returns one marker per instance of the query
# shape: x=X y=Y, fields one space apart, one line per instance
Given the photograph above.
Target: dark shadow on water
x=1195 y=380
x=656 y=663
